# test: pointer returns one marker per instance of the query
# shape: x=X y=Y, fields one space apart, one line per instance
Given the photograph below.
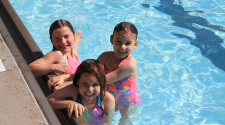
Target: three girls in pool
x=121 y=74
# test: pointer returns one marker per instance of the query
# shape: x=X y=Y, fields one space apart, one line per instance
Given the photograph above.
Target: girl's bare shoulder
x=104 y=56
x=55 y=55
x=55 y=52
x=108 y=101
x=109 y=98
x=131 y=62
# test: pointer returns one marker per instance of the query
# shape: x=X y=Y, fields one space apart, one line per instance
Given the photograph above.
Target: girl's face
x=123 y=43
x=89 y=86
x=63 y=39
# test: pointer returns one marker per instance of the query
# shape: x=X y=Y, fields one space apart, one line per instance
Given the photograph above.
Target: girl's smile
x=89 y=86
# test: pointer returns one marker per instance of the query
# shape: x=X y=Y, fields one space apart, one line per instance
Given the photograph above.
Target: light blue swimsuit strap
x=79 y=100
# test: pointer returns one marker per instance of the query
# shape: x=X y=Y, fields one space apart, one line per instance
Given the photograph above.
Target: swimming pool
x=180 y=53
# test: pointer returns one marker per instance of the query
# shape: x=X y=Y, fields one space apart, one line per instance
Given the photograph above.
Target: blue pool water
x=180 y=55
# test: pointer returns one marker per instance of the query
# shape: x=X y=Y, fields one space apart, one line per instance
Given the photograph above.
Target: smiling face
x=63 y=39
x=89 y=86
x=123 y=43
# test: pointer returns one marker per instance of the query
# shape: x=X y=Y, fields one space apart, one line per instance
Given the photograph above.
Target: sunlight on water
x=180 y=54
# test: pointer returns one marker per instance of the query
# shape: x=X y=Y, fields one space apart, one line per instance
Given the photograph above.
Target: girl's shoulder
x=55 y=55
x=108 y=95
x=128 y=67
x=131 y=61
x=108 y=101
x=107 y=53
x=55 y=52
x=104 y=56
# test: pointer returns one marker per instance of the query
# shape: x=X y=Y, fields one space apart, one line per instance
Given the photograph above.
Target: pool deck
x=18 y=105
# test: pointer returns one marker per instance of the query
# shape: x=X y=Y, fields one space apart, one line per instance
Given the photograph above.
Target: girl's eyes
x=85 y=84
x=128 y=43
x=95 y=85
x=64 y=37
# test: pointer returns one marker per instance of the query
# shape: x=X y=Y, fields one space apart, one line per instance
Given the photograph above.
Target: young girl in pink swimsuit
x=121 y=70
x=63 y=59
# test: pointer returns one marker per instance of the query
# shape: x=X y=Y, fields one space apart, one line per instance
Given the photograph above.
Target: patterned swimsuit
x=124 y=90
x=95 y=116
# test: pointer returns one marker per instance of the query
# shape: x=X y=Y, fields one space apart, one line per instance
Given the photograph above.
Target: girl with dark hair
x=63 y=59
x=88 y=93
x=121 y=70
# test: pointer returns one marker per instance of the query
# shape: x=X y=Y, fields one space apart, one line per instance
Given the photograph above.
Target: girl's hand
x=57 y=80
x=78 y=33
x=62 y=85
x=61 y=68
x=76 y=107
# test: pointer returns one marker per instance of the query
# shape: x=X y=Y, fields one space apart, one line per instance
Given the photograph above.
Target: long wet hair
x=126 y=27
x=59 y=24
x=93 y=67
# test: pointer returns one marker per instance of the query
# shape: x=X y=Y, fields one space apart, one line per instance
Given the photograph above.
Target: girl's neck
x=117 y=60
x=70 y=53
x=90 y=105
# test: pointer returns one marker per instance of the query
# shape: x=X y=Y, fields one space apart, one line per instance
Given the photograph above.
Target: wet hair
x=59 y=24
x=93 y=67
x=126 y=27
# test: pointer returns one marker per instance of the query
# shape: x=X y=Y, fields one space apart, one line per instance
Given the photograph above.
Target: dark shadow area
x=206 y=40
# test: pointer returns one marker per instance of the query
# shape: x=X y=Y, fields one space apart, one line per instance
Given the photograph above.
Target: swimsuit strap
x=118 y=64
x=108 y=58
x=75 y=56
x=125 y=59
x=98 y=100
x=79 y=100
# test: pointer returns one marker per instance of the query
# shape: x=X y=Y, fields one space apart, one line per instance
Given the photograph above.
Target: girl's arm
x=57 y=80
x=109 y=107
x=59 y=100
x=51 y=62
x=77 y=37
x=127 y=68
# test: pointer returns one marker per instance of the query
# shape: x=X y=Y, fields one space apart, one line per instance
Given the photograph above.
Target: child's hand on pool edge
x=76 y=107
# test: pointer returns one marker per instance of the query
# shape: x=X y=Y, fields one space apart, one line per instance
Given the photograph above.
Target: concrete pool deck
x=17 y=105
